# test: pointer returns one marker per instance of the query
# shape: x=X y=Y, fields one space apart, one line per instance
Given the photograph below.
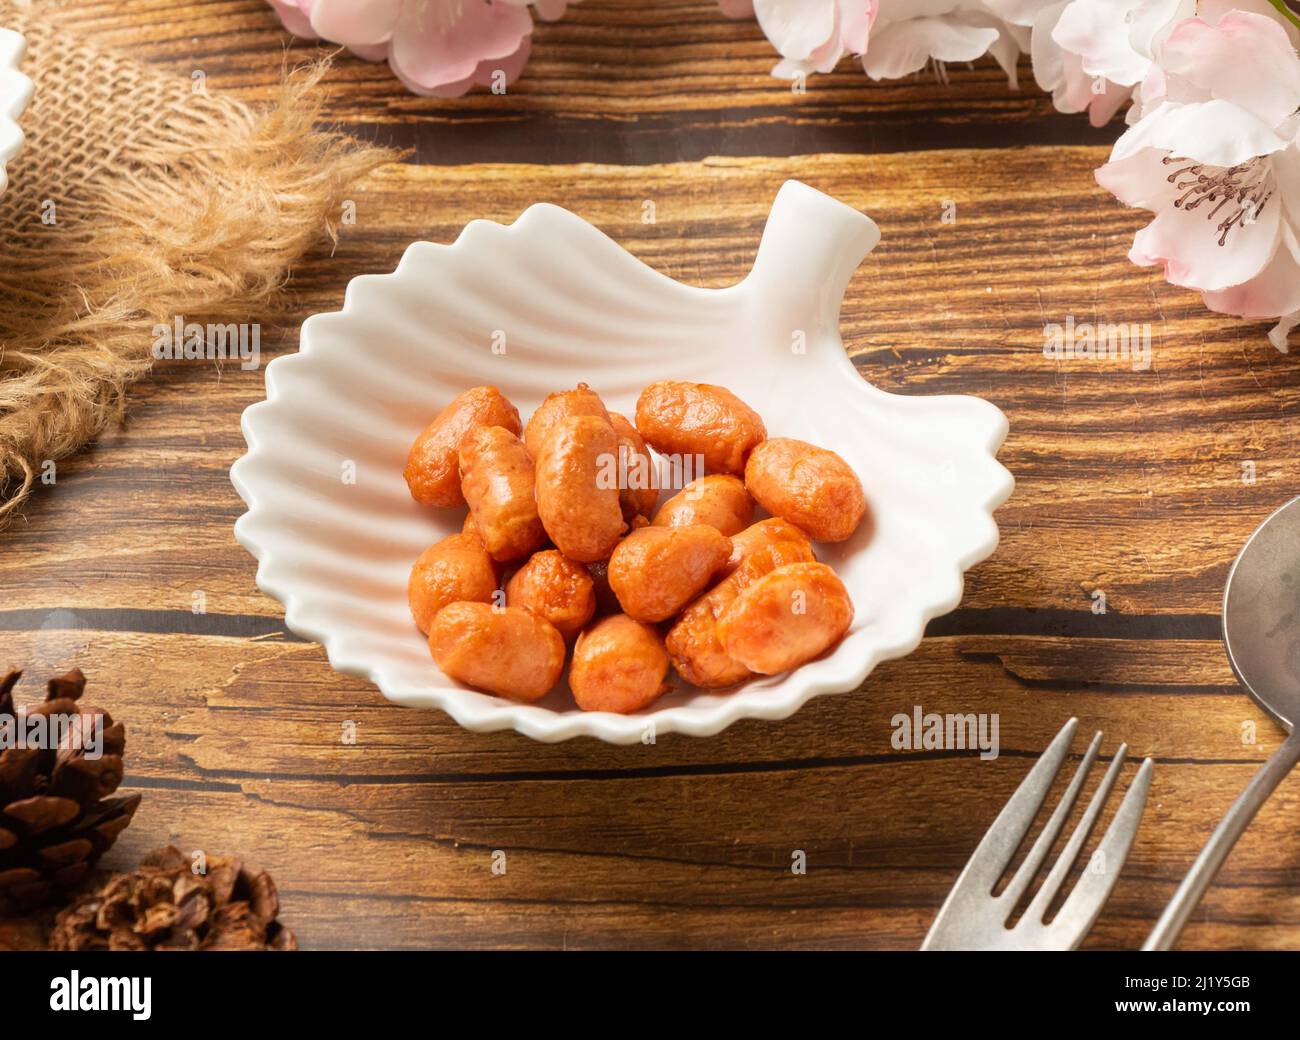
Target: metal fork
x=973 y=918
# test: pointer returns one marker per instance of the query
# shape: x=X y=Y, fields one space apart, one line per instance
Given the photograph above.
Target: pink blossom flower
x=1116 y=38
x=1115 y=41
x=1216 y=158
x=893 y=37
x=1058 y=70
x=438 y=48
x=908 y=34
x=812 y=35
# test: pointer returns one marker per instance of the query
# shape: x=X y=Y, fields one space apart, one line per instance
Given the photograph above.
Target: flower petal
x=1140 y=180
x=1103 y=106
x=1006 y=52
x=797 y=28
x=355 y=22
x=1278 y=334
x=1016 y=12
x=1186 y=244
x=483 y=74
x=1214 y=132
x=1275 y=290
x=1093 y=29
x=294 y=17
x=433 y=56
x=549 y=10
x=1245 y=59
x=1153 y=20
x=1286 y=168
x=1055 y=69
x=901 y=48
x=856 y=19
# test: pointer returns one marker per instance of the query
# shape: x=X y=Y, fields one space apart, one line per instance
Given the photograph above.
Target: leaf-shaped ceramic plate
x=573 y=306
x=15 y=92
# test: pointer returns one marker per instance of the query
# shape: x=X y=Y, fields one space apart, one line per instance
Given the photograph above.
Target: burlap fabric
x=138 y=198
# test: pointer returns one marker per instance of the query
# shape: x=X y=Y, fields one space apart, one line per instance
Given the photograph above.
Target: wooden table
x=1131 y=485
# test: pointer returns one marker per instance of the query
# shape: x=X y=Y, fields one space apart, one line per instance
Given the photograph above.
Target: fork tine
x=1082 y=906
x=1056 y=876
x=1029 y=868
x=990 y=858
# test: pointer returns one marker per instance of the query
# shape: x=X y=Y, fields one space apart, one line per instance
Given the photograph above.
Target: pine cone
x=164 y=905
x=58 y=813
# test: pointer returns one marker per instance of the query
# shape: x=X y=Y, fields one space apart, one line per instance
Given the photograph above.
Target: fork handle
x=1243 y=810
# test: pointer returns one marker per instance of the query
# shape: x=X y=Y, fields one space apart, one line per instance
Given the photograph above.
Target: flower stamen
x=1249 y=185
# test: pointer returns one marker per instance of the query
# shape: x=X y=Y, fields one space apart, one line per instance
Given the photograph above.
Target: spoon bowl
x=1261 y=615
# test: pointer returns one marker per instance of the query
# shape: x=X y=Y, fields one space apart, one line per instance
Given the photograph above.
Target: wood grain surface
x=1139 y=486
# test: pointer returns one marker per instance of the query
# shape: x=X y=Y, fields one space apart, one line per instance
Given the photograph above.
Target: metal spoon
x=1261 y=630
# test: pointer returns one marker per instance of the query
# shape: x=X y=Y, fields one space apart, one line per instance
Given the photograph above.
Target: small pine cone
x=164 y=905
x=58 y=810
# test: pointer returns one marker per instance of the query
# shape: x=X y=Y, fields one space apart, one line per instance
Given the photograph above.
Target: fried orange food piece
x=556 y=588
x=563 y=404
x=786 y=617
x=455 y=568
x=720 y=501
x=508 y=651
x=639 y=483
x=655 y=571
x=699 y=419
x=496 y=476
x=576 y=499
x=808 y=486
x=432 y=471
x=758 y=536
x=619 y=664
x=693 y=644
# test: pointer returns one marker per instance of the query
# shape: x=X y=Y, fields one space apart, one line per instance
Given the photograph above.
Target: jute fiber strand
x=158 y=201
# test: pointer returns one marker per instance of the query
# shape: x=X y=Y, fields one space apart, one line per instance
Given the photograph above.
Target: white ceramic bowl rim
x=956 y=437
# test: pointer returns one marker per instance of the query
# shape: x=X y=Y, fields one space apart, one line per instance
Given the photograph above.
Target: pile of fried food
x=563 y=545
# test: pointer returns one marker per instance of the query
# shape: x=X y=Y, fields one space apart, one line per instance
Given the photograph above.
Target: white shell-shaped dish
x=15 y=93
x=573 y=306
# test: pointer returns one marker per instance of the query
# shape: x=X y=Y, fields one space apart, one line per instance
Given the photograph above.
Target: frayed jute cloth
x=137 y=199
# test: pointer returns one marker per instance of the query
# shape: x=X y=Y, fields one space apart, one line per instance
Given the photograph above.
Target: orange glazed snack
x=808 y=486
x=456 y=568
x=683 y=419
x=655 y=571
x=693 y=644
x=785 y=618
x=639 y=483
x=564 y=404
x=431 y=465
x=618 y=665
x=758 y=536
x=496 y=476
x=554 y=587
x=720 y=501
x=504 y=650
x=578 y=505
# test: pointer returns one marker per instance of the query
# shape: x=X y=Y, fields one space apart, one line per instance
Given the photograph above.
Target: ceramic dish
x=15 y=92
x=334 y=528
